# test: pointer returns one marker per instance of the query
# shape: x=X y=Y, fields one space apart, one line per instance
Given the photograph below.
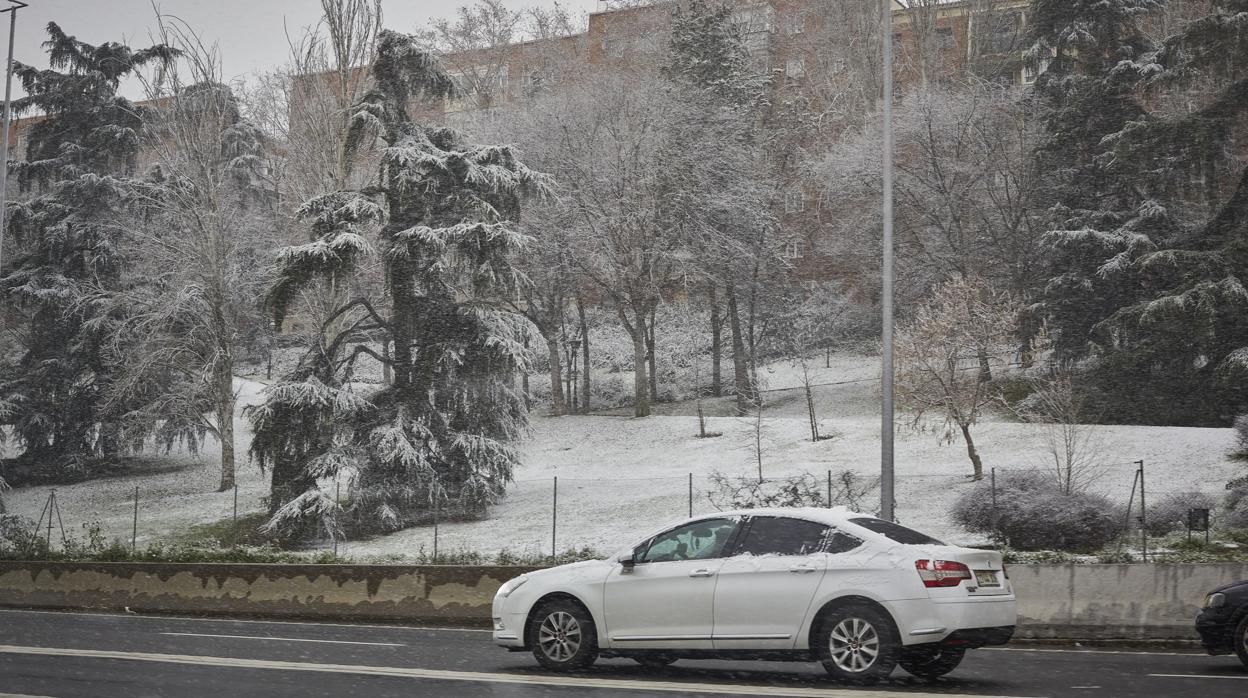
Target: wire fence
x=541 y=516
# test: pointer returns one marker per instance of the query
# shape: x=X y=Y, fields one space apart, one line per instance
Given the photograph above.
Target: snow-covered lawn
x=620 y=476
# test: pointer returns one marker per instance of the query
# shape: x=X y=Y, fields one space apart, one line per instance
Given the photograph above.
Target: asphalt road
x=72 y=655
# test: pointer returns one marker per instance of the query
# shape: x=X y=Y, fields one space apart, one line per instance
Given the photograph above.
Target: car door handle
x=801 y=569
x=701 y=573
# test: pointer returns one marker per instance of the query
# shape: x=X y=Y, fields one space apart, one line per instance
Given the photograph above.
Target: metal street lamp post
x=887 y=499
x=14 y=6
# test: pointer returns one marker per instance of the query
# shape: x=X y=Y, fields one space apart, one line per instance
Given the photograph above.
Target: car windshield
x=896 y=532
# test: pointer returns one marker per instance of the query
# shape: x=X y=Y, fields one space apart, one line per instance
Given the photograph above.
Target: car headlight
x=511 y=585
x=1215 y=600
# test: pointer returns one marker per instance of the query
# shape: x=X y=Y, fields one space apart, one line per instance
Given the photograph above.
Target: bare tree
x=1074 y=445
x=939 y=355
x=200 y=235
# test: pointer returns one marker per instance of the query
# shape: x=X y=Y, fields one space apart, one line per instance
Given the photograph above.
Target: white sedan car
x=858 y=594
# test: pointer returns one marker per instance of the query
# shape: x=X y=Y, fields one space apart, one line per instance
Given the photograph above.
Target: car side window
x=840 y=542
x=700 y=540
x=775 y=535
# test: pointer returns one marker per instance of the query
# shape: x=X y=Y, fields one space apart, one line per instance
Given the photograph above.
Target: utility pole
x=887 y=499
x=14 y=6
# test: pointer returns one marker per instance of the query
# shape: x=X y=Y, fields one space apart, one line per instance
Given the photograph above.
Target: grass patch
x=228 y=532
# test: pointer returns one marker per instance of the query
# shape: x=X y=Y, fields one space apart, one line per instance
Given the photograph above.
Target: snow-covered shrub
x=1241 y=435
x=1033 y=514
x=805 y=490
x=1169 y=514
x=18 y=540
x=1235 y=517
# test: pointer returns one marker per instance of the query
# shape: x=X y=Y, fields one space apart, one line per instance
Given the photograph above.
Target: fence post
x=554 y=516
x=134 y=530
x=334 y=532
x=829 y=489
x=691 y=495
x=437 y=505
x=51 y=508
x=1143 y=516
x=996 y=520
x=235 y=525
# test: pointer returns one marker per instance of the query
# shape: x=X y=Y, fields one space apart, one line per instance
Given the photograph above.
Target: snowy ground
x=620 y=476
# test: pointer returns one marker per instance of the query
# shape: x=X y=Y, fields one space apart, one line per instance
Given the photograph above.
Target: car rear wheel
x=1241 y=640
x=858 y=644
x=562 y=636
x=931 y=662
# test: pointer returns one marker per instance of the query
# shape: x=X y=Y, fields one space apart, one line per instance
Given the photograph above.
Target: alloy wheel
x=559 y=636
x=854 y=645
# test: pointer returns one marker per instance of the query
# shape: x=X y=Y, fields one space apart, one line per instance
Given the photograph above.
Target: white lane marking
x=1198 y=676
x=19 y=695
x=1131 y=652
x=475 y=676
x=226 y=619
x=291 y=639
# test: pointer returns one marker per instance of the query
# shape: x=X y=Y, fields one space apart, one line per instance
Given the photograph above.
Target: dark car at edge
x=1223 y=621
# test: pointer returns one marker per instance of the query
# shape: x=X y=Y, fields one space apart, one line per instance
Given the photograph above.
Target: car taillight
x=942 y=573
x=1005 y=570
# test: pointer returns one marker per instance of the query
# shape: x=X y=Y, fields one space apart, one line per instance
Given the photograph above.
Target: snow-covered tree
x=1096 y=221
x=1183 y=338
x=712 y=70
x=69 y=237
x=440 y=435
x=202 y=230
x=941 y=353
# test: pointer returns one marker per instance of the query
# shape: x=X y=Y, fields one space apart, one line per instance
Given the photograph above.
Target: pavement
x=72 y=655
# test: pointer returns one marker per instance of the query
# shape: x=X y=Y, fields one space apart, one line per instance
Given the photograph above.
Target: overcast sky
x=251 y=34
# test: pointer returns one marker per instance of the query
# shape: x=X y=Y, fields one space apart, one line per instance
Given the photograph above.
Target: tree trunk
x=985 y=371
x=556 y=377
x=387 y=375
x=403 y=304
x=740 y=371
x=653 y=372
x=580 y=310
x=225 y=423
x=641 y=391
x=970 y=451
x=717 y=342
x=810 y=405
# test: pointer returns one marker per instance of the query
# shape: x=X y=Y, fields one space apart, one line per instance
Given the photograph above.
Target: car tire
x=931 y=662
x=1241 y=640
x=857 y=644
x=656 y=661
x=563 y=636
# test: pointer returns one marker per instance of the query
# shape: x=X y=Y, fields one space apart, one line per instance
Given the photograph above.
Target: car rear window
x=896 y=532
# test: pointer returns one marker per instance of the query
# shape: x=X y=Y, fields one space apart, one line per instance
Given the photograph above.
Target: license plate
x=986 y=578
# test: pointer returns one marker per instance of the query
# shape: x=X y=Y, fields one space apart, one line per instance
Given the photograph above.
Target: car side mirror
x=628 y=564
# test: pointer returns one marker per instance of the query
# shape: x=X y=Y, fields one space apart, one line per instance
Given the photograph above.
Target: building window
x=944 y=38
x=794 y=249
x=795 y=23
x=795 y=67
x=795 y=201
x=752 y=19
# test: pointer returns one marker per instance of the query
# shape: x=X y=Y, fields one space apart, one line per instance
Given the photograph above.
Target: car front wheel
x=858 y=645
x=563 y=637
x=931 y=662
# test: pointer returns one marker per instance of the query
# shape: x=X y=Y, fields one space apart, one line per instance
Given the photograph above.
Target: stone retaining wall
x=1137 y=602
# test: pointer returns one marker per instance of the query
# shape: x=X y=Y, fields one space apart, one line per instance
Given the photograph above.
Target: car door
x=665 y=601
x=765 y=588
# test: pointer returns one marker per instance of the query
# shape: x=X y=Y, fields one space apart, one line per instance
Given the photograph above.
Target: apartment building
x=813 y=51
